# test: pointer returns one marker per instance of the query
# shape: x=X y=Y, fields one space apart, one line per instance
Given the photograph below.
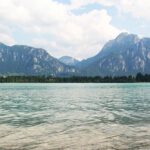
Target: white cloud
x=6 y=39
x=5 y=35
x=53 y=26
x=82 y=3
x=80 y=36
x=138 y=8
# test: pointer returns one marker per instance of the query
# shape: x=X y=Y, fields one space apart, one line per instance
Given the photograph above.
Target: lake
x=74 y=116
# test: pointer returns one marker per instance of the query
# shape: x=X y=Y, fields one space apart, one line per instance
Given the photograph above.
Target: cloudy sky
x=77 y=28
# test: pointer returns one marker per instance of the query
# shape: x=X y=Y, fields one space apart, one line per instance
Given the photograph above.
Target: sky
x=77 y=28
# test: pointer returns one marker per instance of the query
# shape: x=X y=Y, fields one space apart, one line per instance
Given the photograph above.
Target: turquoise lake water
x=74 y=116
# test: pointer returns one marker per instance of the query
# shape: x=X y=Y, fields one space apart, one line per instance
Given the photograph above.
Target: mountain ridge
x=27 y=60
x=127 y=54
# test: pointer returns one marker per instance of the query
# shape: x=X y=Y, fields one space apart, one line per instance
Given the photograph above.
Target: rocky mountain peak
x=126 y=37
x=69 y=60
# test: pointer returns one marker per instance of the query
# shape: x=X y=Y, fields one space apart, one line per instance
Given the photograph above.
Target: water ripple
x=74 y=116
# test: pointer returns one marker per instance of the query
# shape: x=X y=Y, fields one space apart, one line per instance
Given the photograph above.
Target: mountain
x=125 y=55
x=25 y=60
x=70 y=61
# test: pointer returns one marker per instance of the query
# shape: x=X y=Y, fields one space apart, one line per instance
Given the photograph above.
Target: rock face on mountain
x=125 y=55
x=68 y=60
x=25 y=60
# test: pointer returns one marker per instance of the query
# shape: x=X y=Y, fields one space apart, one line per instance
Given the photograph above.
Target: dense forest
x=49 y=79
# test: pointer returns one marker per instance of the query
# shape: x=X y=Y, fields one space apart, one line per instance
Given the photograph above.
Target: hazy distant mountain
x=125 y=55
x=68 y=60
x=25 y=60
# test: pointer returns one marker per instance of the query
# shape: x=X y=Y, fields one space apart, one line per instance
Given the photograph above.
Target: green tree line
x=75 y=79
